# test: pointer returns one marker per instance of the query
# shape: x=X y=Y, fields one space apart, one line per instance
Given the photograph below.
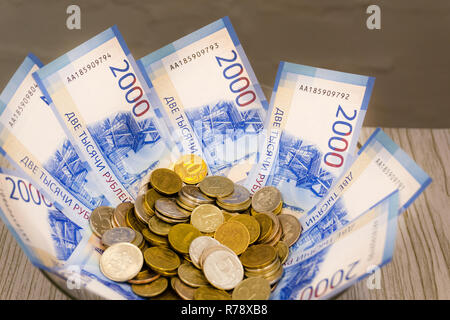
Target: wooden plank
x=19 y=279
x=420 y=266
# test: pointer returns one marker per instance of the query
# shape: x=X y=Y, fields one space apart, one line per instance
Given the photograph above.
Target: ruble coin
x=165 y=181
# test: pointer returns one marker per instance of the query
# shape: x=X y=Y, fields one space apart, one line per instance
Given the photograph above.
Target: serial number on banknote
x=22 y=104
x=194 y=56
x=89 y=67
x=324 y=92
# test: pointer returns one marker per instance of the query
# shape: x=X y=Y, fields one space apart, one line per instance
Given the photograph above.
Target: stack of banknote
x=88 y=128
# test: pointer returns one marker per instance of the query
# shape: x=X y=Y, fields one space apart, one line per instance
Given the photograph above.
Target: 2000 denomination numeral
x=333 y=282
x=26 y=192
x=133 y=93
x=338 y=143
x=237 y=84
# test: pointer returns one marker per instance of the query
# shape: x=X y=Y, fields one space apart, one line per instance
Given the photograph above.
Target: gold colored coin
x=145 y=276
x=181 y=235
x=150 y=197
x=207 y=218
x=168 y=273
x=133 y=222
x=183 y=290
x=140 y=210
x=154 y=239
x=151 y=289
x=234 y=235
x=236 y=208
x=282 y=250
x=228 y=215
x=138 y=240
x=266 y=224
x=165 y=181
x=258 y=256
x=276 y=276
x=250 y=223
x=210 y=293
x=216 y=186
x=276 y=233
x=264 y=272
x=191 y=276
x=161 y=259
x=191 y=168
x=158 y=226
x=256 y=288
x=168 y=294
x=277 y=210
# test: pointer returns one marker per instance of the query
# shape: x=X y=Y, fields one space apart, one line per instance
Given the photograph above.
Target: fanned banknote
x=343 y=257
x=108 y=112
x=34 y=142
x=213 y=102
x=315 y=117
x=54 y=242
x=380 y=168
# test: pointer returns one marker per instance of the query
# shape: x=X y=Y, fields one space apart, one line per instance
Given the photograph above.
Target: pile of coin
x=199 y=236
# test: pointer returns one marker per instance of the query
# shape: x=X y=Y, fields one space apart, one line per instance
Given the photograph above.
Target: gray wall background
x=409 y=56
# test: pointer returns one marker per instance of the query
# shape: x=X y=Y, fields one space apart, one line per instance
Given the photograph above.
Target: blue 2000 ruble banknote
x=34 y=142
x=380 y=168
x=343 y=257
x=109 y=113
x=213 y=102
x=54 y=242
x=315 y=117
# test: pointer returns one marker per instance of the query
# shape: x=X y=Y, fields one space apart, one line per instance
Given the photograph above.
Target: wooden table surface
x=421 y=262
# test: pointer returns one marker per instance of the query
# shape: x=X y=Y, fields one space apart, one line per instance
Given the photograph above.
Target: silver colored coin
x=194 y=194
x=158 y=226
x=169 y=220
x=100 y=220
x=223 y=269
x=139 y=209
x=121 y=262
x=198 y=245
x=116 y=235
x=239 y=196
x=266 y=199
x=211 y=249
x=185 y=204
x=291 y=228
x=169 y=208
